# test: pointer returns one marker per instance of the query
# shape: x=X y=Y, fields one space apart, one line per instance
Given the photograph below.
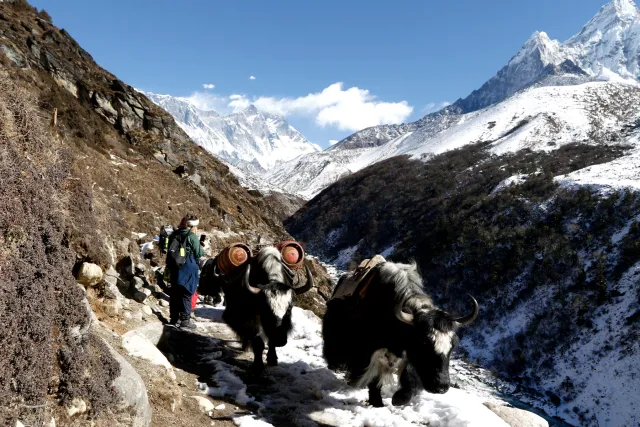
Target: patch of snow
x=387 y=252
x=512 y=180
x=324 y=397
x=345 y=256
x=615 y=175
x=229 y=385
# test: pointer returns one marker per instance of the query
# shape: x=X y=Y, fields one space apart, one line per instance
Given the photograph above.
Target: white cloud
x=252 y=77
x=348 y=110
x=433 y=107
x=208 y=86
x=333 y=141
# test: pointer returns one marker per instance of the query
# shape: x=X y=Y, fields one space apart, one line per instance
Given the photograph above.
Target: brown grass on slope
x=46 y=353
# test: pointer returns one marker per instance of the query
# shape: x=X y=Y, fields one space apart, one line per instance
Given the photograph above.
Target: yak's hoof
x=376 y=402
x=401 y=397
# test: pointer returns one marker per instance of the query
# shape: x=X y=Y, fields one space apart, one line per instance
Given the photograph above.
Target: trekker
x=184 y=250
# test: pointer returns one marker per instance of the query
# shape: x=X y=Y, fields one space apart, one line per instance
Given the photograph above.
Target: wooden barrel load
x=233 y=257
x=292 y=254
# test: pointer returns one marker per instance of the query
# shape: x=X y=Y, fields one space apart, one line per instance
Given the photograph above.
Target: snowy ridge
x=251 y=140
x=540 y=118
x=583 y=78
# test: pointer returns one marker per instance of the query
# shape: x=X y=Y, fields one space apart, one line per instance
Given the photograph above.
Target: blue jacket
x=188 y=275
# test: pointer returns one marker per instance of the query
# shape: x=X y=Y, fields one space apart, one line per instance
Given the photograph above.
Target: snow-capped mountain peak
x=251 y=140
x=607 y=49
x=547 y=50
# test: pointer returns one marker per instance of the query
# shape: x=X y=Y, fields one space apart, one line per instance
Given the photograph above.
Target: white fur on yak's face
x=279 y=301
x=271 y=261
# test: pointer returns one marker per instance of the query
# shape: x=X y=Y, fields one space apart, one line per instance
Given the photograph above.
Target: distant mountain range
x=250 y=140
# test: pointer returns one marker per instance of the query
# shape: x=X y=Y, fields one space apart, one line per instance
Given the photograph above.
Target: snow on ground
x=305 y=393
x=618 y=174
x=512 y=180
x=603 y=363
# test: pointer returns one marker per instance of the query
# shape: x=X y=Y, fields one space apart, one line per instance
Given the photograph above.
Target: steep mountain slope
x=112 y=167
x=254 y=141
x=554 y=267
x=607 y=49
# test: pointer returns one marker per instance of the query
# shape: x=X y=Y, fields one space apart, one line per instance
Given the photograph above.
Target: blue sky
x=396 y=60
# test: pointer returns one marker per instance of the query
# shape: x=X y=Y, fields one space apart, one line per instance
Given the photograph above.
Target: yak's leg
x=258 y=348
x=375 y=394
x=409 y=384
x=272 y=357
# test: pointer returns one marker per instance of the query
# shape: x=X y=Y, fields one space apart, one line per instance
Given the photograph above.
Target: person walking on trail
x=183 y=252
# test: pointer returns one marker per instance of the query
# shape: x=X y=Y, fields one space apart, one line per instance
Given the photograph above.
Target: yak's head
x=271 y=279
x=432 y=340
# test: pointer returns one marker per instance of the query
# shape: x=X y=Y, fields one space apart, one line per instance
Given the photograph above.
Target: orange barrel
x=233 y=256
x=292 y=254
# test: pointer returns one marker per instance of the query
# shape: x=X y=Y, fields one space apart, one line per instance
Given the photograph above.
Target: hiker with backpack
x=184 y=250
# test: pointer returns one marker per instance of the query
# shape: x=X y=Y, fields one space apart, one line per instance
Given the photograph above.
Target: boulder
x=138 y=345
x=517 y=417
x=140 y=268
x=125 y=267
x=109 y=287
x=137 y=283
x=139 y=297
x=132 y=392
x=89 y=274
x=111 y=272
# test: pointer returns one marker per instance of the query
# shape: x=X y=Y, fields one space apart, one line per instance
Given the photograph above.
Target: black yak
x=259 y=298
x=388 y=322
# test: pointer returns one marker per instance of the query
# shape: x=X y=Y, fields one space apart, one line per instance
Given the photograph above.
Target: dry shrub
x=46 y=351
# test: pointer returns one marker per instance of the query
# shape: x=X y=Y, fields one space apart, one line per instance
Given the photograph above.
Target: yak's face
x=275 y=315
x=433 y=338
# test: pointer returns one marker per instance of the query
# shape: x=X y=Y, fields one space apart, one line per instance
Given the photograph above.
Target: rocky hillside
x=553 y=264
x=89 y=166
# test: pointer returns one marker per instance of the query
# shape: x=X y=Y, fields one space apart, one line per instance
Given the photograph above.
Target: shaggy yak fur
x=393 y=328
x=258 y=301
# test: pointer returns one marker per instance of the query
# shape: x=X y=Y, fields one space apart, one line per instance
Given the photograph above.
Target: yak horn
x=405 y=317
x=464 y=321
x=215 y=269
x=250 y=288
x=307 y=286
